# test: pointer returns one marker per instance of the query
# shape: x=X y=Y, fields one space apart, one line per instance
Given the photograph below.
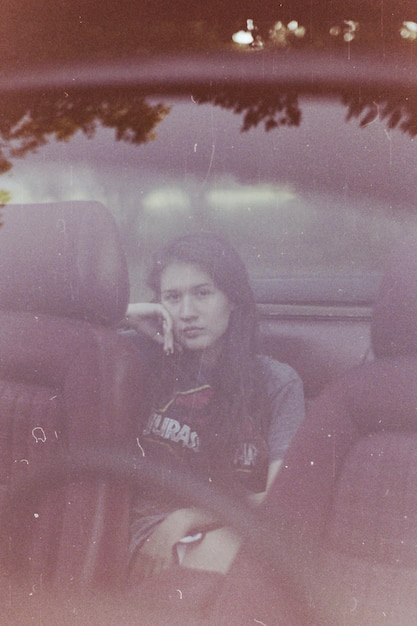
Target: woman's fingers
x=168 y=334
x=152 y=319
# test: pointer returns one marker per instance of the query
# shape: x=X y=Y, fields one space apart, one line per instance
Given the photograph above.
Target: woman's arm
x=215 y=552
x=273 y=470
x=153 y=320
x=218 y=549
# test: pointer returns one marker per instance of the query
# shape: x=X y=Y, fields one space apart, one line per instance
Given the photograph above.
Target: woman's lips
x=192 y=332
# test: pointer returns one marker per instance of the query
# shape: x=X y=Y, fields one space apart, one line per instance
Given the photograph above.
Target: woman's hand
x=153 y=320
x=215 y=553
x=158 y=551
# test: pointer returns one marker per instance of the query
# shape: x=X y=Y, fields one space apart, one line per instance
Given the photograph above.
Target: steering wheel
x=261 y=539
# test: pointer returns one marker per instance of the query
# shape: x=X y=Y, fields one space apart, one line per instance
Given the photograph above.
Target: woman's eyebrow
x=171 y=290
x=196 y=286
x=207 y=284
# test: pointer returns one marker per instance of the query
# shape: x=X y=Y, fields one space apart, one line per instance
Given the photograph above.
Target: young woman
x=214 y=405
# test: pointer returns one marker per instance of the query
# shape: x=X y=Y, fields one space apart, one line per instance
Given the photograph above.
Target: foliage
x=397 y=111
x=282 y=109
x=29 y=122
x=273 y=110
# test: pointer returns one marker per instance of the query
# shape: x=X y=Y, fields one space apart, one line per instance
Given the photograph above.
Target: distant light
x=250 y=25
x=300 y=32
x=409 y=30
x=348 y=30
x=352 y=26
x=282 y=35
x=412 y=26
x=295 y=29
x=243 y=38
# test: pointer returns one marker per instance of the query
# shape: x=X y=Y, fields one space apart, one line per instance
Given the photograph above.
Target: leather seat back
x=68 y=383
x=348 y=489
x=344 y=506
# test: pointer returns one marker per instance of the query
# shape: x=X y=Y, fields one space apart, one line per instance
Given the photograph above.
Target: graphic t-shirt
x=180 y=420
x=179 y=432
x=181 y=429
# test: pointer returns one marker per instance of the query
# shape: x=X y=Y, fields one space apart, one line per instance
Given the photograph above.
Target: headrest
x=63 y=259
x=394 y=326
x=382 y=395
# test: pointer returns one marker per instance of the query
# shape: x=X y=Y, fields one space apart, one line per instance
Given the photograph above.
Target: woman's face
x=200 y=311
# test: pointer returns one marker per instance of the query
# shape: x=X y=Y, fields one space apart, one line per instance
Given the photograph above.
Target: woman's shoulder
x=275 y=371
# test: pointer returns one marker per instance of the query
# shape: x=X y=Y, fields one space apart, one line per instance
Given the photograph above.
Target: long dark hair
x=238 y=387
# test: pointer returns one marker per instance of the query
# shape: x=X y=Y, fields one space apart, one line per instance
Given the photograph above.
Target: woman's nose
x=187 y=309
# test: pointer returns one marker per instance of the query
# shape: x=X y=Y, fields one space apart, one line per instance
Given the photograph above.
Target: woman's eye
x=203 y=292
x=171 y=297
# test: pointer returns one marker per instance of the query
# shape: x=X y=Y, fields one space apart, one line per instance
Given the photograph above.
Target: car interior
x=343 y=506
x=314 y=183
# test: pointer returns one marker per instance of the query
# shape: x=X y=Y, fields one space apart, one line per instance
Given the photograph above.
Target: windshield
x=302 y=187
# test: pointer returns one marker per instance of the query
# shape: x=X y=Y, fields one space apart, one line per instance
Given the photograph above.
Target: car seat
x=342 y=515
x=69 y=386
